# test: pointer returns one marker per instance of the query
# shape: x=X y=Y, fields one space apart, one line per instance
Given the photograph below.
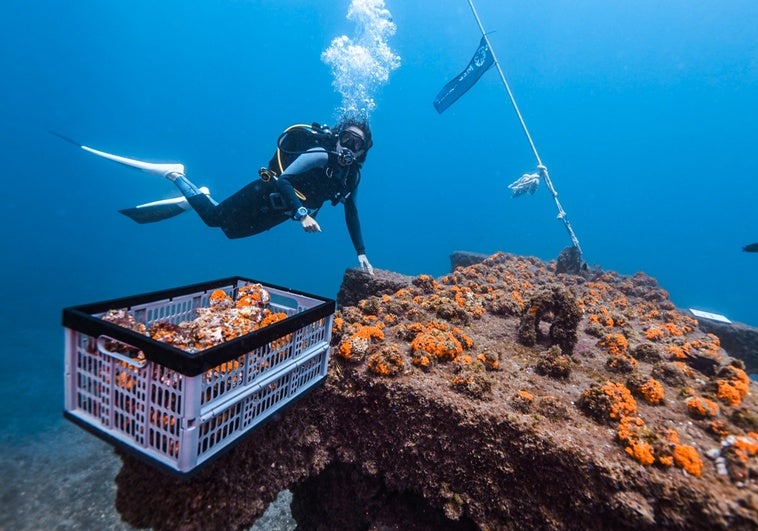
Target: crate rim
x=80 y=319
x=186 y=289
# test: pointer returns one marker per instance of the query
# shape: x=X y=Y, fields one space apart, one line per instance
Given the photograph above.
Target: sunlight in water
x=361 y=65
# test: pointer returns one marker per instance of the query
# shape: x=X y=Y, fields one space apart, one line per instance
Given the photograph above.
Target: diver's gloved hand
x=310 y=225
x=365 y=265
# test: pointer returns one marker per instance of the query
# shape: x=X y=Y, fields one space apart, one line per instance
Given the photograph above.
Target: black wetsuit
x=262 y=205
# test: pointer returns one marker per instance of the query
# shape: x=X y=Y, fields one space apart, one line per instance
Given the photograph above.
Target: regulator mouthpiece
x=346 y=157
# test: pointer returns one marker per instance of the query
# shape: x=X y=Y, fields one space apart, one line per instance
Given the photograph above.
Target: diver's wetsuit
x=262 y=205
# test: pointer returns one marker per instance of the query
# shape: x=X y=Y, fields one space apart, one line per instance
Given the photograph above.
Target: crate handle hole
x=107 y=346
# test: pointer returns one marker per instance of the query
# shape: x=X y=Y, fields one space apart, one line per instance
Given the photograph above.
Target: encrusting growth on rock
x=503 y=395
x=648 y=347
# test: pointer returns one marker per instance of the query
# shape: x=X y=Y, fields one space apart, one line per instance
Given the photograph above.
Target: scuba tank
x=301 y=138
x=298 y=139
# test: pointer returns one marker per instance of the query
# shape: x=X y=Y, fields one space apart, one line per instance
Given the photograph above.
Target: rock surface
x=435 y=415
x=738 y=339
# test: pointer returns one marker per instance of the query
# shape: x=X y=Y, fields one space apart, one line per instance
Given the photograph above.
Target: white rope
x=527 y=184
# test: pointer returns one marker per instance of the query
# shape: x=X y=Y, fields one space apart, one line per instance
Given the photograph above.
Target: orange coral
x=727 y=393
x=629 y=433
x=615 y=343
x=684 y=368
x=465 y=298
x=603 y=318
x=390 y=319
x=629 y=428
x=718 y=428
x=402 y=293
x=646 y=313
x=387 y=362
x=464 y=339
x=490 y=361
x=731 y=391
x=642 y=452
x=358 y=343
x=648 y=447
x=517 y=297
x=426 y=283
x=223 y=320
x=622 y=402
x=218 y=295
x=526 y=395
x=421 y=359
x=713 y=346
x=672 y=329
x=652 y=392
x=611 y=401
x=654 y=334
x=686 y=457
x=440 y=343
x=252 y=295
x=272 y=318
x=702 y=408
x=676 y=352
x=748 y=443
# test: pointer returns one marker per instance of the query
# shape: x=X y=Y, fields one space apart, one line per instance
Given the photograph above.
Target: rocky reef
x=504 y=395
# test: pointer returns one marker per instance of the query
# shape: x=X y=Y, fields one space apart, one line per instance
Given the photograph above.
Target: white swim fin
x=160 y=210
x=162 y=170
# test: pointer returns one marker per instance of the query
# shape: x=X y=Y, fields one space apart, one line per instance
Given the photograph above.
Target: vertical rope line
x=505 y=82
x=543 y=170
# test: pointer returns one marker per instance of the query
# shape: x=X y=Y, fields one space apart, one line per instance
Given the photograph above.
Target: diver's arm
x=354 y=228
x=305 y=162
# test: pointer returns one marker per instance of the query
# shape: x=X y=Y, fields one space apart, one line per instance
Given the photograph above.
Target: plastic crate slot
x=163 y=442
x=218 y=428
x=223 y=378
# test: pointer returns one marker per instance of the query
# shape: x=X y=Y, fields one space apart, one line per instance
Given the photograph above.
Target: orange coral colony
x=652 y=392
x=359 y=342
x=224 y=319
x=638 y=365
x=616 y=344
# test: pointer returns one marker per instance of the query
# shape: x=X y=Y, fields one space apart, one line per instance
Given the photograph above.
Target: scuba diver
x=312 y=164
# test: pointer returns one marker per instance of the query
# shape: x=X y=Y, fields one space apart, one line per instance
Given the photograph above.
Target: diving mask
x=351 y=140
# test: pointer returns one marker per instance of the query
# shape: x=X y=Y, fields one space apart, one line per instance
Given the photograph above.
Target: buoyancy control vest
x=301 y=138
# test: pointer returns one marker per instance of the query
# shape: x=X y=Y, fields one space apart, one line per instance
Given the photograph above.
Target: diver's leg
x=201 y=202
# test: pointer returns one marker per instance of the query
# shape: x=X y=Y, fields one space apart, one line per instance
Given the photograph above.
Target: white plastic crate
x=180 y=409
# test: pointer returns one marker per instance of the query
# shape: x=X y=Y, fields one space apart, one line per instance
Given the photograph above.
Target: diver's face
x=353 y=139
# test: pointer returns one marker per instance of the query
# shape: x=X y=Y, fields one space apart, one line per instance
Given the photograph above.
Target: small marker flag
x=482 y=60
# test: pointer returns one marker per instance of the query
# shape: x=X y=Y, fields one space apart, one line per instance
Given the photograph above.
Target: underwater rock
x=564 y=316
x=477 y=437
x=738 y=339
x=465 y=259
x=570 y=261
x=357 y=285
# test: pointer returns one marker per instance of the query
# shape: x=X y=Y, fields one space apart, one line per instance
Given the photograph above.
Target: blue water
x=644 y=112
